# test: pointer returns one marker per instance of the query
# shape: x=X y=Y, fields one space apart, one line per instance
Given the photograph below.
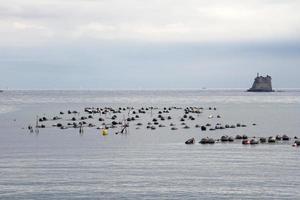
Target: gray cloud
x=148 y=44
x=168 y=20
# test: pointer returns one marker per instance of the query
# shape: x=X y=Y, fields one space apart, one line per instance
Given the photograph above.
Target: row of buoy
x=245 y=140
x=159 y=118
x=155 y=121
x=150 y=125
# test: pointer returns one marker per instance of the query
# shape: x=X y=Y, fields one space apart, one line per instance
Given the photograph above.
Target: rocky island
x=262 y=84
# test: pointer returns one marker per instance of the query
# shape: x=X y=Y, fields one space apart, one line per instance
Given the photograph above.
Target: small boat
x=190 y=141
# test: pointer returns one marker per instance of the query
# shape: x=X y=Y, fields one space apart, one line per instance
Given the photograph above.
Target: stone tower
x=262 y=84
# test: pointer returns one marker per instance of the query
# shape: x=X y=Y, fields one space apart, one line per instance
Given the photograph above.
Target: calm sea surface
x=149 y=164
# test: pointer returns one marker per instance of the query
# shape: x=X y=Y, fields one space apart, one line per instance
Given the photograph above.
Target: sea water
x=149 y=164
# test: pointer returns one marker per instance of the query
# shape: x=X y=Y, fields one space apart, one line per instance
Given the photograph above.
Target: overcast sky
x=148 y=44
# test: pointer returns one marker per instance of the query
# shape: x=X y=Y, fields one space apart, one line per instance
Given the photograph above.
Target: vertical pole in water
x=37 y=121
x=80 y=129
x=37 y=125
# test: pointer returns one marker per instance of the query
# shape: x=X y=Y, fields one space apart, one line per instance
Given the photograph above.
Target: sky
x=142 y=44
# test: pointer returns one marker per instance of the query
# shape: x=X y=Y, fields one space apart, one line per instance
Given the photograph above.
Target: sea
x=54 y=163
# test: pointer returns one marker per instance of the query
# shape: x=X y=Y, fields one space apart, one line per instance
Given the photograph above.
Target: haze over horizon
x=139 y=44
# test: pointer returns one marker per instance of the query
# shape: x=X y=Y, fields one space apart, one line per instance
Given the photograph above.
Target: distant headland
x=262 y=84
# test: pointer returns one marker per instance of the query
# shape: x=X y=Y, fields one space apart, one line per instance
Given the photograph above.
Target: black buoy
x=278 y=137
x=190 y=141
x=59 y=125
x=224 y=138
x=253 y=141
x=204 y=141
x=211 y=141
x=263 y=140
x=238 y=137
x=186 y=127
x=271 y=140
x=285 y=137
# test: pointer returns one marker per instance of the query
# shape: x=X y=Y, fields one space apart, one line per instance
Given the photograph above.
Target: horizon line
x=134 y=89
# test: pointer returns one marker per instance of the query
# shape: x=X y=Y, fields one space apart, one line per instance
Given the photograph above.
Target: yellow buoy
x=104 y=132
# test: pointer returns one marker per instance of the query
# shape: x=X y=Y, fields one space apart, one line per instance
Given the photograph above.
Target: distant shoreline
x=158 y=90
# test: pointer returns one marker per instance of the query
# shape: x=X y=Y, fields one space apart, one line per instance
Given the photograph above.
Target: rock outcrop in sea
x=262 y=84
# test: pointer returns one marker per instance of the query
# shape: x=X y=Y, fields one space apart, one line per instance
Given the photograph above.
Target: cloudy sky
x=142 y=44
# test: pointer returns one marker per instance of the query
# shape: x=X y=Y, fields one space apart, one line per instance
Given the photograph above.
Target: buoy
x=104 y=132
x=224 y=138
x=297 y=142
x=253 y=141
x=190 y=141
x=285 y=137
x=246 y=141
x=207 y=141
x=238 y=137
x=230 y=139
x=263 y=140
